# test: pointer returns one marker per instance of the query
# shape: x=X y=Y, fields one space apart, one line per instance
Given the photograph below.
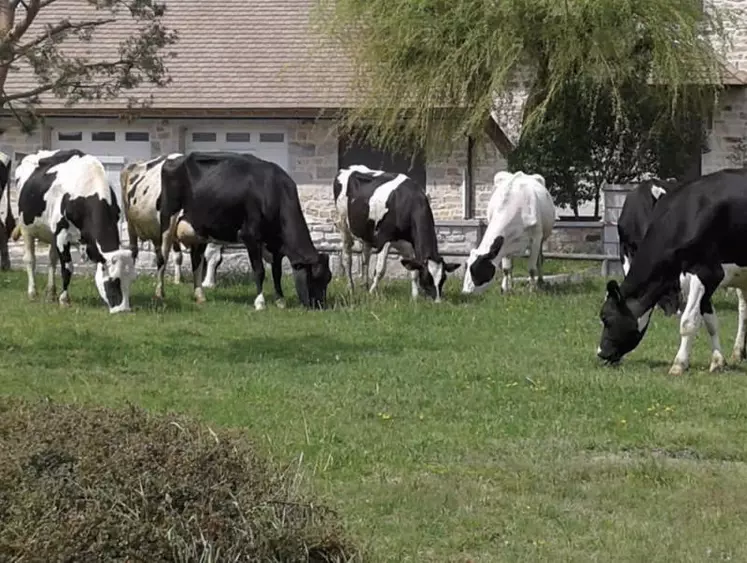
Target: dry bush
x=95 y=484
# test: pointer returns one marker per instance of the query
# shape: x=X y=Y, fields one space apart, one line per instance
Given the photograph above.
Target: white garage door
x=266 y=142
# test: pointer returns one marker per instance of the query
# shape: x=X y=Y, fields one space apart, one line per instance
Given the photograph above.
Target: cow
x=521 y=214
x=10 y=223
x=65 y=199
x=697 y=229
x=140 y=184
x=383 y=210
x=226 y=198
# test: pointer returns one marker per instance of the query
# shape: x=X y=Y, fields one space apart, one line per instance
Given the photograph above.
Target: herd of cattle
x=678 y=242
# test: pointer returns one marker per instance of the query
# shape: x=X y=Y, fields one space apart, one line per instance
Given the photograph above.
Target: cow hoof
x=51 y=295
x=31 y=295
x=259 y=302
x=677 y=370
x=208 y=285
x=64 y=300
x=717 y=362
x=737 y=355
x=280 y=303
x=199 y=296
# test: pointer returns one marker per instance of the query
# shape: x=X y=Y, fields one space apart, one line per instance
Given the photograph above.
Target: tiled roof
x=237 y=54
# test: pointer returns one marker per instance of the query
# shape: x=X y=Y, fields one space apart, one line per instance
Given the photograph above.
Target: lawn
x=479 y=429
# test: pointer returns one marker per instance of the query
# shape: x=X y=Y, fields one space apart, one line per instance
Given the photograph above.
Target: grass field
x=479 y=429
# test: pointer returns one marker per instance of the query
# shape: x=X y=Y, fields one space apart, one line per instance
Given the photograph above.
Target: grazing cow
x=634 y=219
x=141 y=197
x=65 y=199
x=227 y=198
x=383 y=209
x=10 y=223
x=521 y=214
x=696 y=229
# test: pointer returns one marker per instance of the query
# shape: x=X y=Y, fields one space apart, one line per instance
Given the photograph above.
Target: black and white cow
x=65 y=199
x=521 y=214
x=7 y=228
x=632 y=223
x=141 y=198
x=227 y=198
x=383 y=209
x=697 y=229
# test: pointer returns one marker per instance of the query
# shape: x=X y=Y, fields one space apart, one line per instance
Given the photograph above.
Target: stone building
x=269 y=87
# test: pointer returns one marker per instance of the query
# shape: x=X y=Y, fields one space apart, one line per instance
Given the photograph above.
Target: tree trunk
x=7 y=17
x=597 y=192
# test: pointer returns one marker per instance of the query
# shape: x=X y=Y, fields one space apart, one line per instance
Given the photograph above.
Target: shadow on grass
x=299 y=350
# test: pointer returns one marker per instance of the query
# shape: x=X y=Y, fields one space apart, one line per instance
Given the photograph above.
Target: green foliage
x=64 y=72
x=580 y=147
x=121 y=485
x=439 y=65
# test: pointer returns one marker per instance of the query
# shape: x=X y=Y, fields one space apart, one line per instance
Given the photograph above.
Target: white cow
x=521 y=214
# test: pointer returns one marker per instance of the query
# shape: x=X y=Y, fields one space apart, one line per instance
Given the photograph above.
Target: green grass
x=479 y=429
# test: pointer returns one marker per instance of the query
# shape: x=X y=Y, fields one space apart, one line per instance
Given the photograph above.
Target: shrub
x=96 y=484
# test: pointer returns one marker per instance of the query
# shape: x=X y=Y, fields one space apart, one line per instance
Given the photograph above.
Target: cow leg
x=178 y=260
x=277 y=273
x=133 y=242
x=168 y=235
x=4 y=252
x=346 y=257
x=689 y=325
x=380 y=268
x=507 y=267
x=213 y=258
x=197 y=254
x=66 y=271
x=365 y=261
x=53 y=260
x=29 y=259
x=254 y=249
x=738 y=354
x=712 y=282
x=535 y=254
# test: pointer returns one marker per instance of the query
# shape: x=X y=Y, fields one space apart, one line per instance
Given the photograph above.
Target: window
x=238 y=137
x=103 y=136
x=204 y=137
x=137 y=136
x=271 y=137
x=70 y=136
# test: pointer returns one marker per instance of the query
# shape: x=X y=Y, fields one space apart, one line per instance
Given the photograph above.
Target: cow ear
x=450 y=266
x=613 y=291
x=411 y=265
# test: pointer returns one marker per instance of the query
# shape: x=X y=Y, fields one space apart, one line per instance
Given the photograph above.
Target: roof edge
x=186 y=113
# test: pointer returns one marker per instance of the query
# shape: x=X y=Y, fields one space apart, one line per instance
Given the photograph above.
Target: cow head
x=480 y=270
x=312 y=281
x=113 y=279
x=431 y=276
x=621 y=330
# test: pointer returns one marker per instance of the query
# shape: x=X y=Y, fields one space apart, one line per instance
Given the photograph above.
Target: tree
x=439 y=66
x=35 y=43
x=63 y=72
x=579 y=148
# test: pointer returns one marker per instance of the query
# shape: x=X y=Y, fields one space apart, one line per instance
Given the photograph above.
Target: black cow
x=64 y=200
x=634 y=219
x=383 y=209
x=227 y=198
x=10 y=222
x=698 y=229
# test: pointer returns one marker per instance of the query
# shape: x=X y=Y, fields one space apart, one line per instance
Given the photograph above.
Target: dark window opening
x=70 y=136
x=106 y=136
x=238 y=137
x=271 y=137
x=204 y=137
x=137 y=136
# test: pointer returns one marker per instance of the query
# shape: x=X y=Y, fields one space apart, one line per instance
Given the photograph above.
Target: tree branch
x=31 y=11
x=52 y=32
